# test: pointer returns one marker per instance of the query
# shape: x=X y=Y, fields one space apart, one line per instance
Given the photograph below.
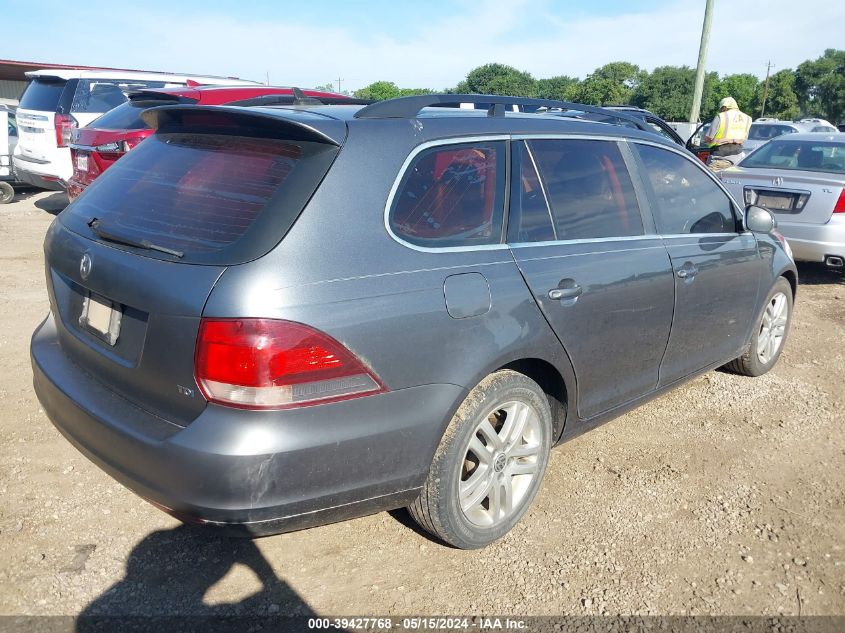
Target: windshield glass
x=123 y=117
x=799 y=155
x=204 y=193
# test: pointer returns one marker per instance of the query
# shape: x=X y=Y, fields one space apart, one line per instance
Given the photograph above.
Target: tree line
x=816 y=88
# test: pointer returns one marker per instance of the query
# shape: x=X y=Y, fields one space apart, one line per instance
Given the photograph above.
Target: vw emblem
x=85 y=265
x=777 y=181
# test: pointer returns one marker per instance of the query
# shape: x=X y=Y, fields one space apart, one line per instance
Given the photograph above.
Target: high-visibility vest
x=733 y=128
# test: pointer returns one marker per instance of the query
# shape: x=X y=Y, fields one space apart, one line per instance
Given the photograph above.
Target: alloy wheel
x=500 y=464
x=772 y=328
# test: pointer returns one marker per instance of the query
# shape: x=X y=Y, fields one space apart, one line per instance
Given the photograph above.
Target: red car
x=94 y=148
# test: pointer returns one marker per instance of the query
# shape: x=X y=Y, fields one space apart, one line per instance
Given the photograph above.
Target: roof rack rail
x=409 y=107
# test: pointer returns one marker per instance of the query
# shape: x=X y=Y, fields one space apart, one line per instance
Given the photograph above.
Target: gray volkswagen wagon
x=266 y=319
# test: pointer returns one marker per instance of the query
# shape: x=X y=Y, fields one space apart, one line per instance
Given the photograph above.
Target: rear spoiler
x=284 y=124
x=148 y=98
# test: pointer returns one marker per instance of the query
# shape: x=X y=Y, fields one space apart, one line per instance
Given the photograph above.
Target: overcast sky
x=430 y=44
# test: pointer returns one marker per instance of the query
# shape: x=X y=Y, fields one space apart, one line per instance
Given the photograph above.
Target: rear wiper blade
x=107 y=235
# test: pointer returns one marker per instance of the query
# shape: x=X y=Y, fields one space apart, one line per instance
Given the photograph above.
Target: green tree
x=561 y=87
x=612 y=84
x=379 y=91
x=667 y=91
x=782 y=99
x=327 y=87
x=820 y=85
x=498 y=79
x=408 y=92
x=742 y=87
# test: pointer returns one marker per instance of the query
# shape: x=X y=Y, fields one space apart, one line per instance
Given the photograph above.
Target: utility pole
x=766 y=89
x=702 y=56
x=338 y=85
x=267 y=83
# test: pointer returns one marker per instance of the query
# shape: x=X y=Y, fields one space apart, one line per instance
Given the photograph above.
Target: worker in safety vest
x=727 y=132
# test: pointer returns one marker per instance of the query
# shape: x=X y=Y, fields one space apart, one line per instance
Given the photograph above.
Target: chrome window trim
x=598 y=252
x=684 y=153
x=455 y=140
x=591 y=240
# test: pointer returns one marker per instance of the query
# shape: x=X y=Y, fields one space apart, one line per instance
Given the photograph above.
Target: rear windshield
x=218 y=198
x=799 y=155
x=101 y=95
x=123 y=117
x=42 y=95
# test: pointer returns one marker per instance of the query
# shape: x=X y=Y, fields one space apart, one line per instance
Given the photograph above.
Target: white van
x=57 y=100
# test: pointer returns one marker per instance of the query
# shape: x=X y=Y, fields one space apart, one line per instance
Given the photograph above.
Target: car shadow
x=23 y=192
x=168 y=575
x=813 y=274
x=54 y=203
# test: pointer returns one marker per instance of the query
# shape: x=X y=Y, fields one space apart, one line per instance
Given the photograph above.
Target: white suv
x=56 y=101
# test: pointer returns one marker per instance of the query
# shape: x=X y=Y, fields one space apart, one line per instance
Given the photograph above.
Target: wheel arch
x=554 y=385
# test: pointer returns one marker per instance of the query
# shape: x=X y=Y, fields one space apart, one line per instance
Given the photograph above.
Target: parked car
x=264 y=318
x=841 y=127
x=56 y=101
x=8 y=140
x=95 y=147
x=800 y=178
x=761 y=132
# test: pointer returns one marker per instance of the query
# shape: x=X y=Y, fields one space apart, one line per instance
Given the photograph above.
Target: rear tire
x=489 y=464
x=7 y=192
x=769 y=335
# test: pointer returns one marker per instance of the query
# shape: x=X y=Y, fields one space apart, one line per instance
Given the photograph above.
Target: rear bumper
x=814 y=242
x=37 y=175
x=249 y=471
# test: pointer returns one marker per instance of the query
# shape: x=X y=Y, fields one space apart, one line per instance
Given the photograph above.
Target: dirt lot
x=723 y=497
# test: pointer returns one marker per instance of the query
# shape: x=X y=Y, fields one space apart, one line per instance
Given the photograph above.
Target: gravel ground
x=722 y=497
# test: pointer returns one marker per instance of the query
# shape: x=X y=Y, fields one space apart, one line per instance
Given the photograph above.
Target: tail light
x=131 y=142
x=274 y=364
x=840 y=204
x=65 y=124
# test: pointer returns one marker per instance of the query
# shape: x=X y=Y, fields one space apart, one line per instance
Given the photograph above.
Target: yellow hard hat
x=728 y=103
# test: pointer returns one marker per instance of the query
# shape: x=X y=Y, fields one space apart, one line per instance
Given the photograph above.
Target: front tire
x=489 y=464
x=769 y=335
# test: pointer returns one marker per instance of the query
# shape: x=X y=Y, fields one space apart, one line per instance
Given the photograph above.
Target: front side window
x=452 y=195
x=686 y=198
x=588 y=187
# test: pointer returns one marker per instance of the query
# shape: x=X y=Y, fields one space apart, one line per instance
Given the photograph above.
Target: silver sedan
x=801 y=179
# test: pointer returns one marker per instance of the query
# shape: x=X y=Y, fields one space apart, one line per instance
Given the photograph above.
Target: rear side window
x=686 y=198
x=123 y=117
x=204 y=193
x=101 y=95
x=42 y=95
x=452 y=195
x=588 y=187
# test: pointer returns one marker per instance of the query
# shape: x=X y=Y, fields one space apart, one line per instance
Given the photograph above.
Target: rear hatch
x=800 y=180
x=43 y=98
x=130 y=264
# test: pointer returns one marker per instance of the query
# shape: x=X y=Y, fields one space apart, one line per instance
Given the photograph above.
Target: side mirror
x=759 y=220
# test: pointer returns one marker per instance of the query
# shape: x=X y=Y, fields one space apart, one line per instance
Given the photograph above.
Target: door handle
x=556 y=294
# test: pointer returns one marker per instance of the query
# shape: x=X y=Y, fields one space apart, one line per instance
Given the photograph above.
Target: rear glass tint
x=452 y=195
x=218 y=198
x=101 y=95
x=800 y=155
x=123 y=117
x=42 y=95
